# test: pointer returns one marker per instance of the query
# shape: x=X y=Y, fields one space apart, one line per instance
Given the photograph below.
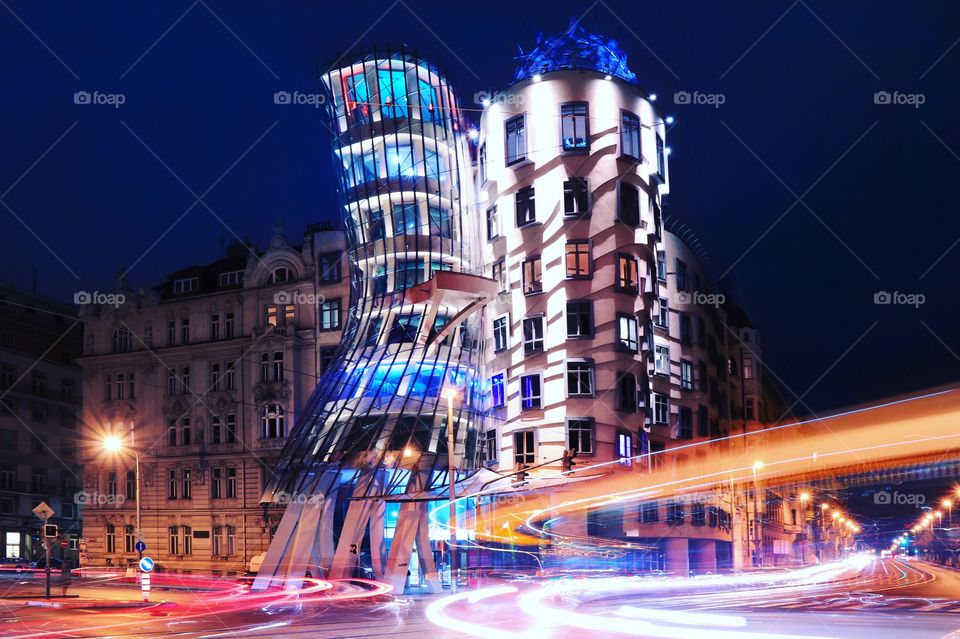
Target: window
x=280 y=275
x=532 y=334
x=625 y=448
x=440 y=222
x=111 y=540
x=628 y=210
x=185 y=432
x=186 y=285
x=681 y=274
x=498 y=390
x=579 y=379
x=112 y=482
x=230 y=278
x=627 y=333
x=173 y=545
x=516 y=140
x=662 y=318
x=580 y=319
x=576 y=197
x=627 y=274
x=214 y=376
x=131 y=485
x=627 y=392
x=231 y=482
x=749 y=409
x=704 y=381
x=229 y=377
x=68 y=510
x=661 y=163
x=171 y=432
x=38 y=413
x=8 y=375
x=662 y=266
x=532 y=282
x=686 y=329
x=393 y=93
x=405 y=220
x=375 y=226
x=216 y=482
x=685 y=423
x=330 y=315
x=578 y=259
x=215 y=326
x=171 y=332
x=172 y=483
x=526 y=209
x=748 y=368
x=38 y=384
x=531 y=394
x=703 y=421
x=661 y=360
x=686 y=375
x=650 y=512
x=661 y=409
x=271 y=422
x=231 y=428
x=499 y=273
x=491 y=450
x=185 y=330
x=500 y=335
x=216 y=429
x=629 y=135
x=185 y=379
x=326 y=358
x=404 y=329
x=120 y=341
x=580 y=435
x=482 y=163
x=494 y=230
x=409 y=274
x=574 y=129
x=228 y=325
x=524 y=448
x=278 y=366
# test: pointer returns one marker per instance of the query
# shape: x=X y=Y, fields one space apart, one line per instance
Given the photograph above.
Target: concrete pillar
x=704 y=555
x=677 y=556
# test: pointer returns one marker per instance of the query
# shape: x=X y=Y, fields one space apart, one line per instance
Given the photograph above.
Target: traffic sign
x=140 y=546
x=146 y=564
x=43 y=511
x=64 y=543
x=139 y=535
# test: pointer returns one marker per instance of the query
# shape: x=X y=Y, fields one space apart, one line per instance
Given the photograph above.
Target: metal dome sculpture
x=575 y=49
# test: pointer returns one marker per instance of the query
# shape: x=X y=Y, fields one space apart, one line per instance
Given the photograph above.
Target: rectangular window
x=186 y=485
x=686 y=375
x=662 y=266
x=580 y=435
x=229 y=377
x=531 y=392
x=662 y=318
x=627 y=333
x=330 y=270
x=685 y=423
x=186 y=285
x=580 y=319
x=491 y=450
x=330 y=315
x=215 y=326
x=173 y=545
x=681 y=274
x=185 y=331
x=441 y=223
x=579 y=379
x=627 y=392
x=231 y=482
x=628 y=278
x=499 y=273
x=524 y=448
x=532 y=334
x=405 y=219
x=686 y=329
x=376 y=228
x=661 y=409
x=498 y=390
x=214 y=376
x=500 y=334
x=228 y=325
x=231 y=428
x=578 y=259
x=661 y=161
x=576 y=197
x=393 y=93
x=171 y=333
x=515 y=140
x=409 y=274
x=172 y=484
x=661 y=362
x=748 y=368
x=532 y=282
x=482 y=164
x=628 y=205
x=574 y=127
x=230 y=278
x=629 y=135
x=749 y=408
x=493 y=223
x=404 y=329
x=525 y=206
x=185 y=379
x=625 y=448
x=650 y=512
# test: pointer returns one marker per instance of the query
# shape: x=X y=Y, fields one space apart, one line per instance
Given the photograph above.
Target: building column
x=677 y=556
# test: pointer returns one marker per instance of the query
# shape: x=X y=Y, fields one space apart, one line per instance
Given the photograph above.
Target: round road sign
x=146 y=564
x=140 y=546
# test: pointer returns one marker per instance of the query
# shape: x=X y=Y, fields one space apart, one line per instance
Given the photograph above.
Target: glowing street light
x=113 y=444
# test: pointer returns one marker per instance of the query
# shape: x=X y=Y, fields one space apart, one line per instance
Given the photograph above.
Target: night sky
x=100 y=186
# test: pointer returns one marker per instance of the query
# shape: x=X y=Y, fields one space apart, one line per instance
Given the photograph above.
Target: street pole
x=453 y=491
x=137 y=495
x=757 y=519
x=46 y=548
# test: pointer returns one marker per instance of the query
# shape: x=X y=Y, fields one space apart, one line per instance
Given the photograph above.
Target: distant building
x=203 y=376
x=40 y=391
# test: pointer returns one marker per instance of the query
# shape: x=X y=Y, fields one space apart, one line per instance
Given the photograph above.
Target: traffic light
x=567 y=462
x=50 y=531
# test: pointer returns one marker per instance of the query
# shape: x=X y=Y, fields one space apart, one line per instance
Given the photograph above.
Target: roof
x=576 y=49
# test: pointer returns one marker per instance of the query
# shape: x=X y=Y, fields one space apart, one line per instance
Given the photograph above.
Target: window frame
x=511 y=160
x=589 y=367
x=577 y=274
x=590 y=430
x=575 y=117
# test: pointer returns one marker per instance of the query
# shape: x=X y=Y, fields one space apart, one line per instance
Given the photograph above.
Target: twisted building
x=376 y=427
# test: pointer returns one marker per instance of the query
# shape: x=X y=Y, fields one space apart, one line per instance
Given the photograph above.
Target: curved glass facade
x=405 y=183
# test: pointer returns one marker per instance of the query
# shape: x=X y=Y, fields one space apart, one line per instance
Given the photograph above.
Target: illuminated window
x=531 y=394
x=574 y=129
x=429 y=105
x=435 y=165
x=576 y=196
x=498 y=389
x=580 y=318
x=409 y=274
x=525 y=207
x=627 y=337
x=515 y=139
x=661 y=362
x=628 y=278
x=532 y=334
x=441 y=223
x=629 y=135
x=375 y=228
x=404 y=329
x=532 y=282
x=578 y=259
x=625 y=448
x=330 y=315
x=272 y=422
x=579 y=379
x=400 y=161
x=748 y=368
x=393 y=93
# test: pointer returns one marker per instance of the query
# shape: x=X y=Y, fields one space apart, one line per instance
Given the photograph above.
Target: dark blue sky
x=798 y=79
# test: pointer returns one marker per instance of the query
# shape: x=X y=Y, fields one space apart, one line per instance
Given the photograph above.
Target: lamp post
x=804 y=498
x=948 y=504
x=758 y=520
x=114 y=444
x=450 y=394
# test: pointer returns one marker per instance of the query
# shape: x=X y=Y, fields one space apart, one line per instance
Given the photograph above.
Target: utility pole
x=450 y=394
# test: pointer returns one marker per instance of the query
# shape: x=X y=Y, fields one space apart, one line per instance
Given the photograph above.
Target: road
x=875 y=599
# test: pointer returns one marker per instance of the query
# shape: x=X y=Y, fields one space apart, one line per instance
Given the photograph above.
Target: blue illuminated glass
x=429 y=105
x=440 y=223
x=393 y=93
x=405 y=219
x=409 y=273
x=498 y=389
x=358 y=98
x=400 y=161
x=433 y=166
x=377 y=230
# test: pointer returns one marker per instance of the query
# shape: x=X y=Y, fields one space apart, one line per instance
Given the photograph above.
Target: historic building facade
x=40 y=394
x=202 y=378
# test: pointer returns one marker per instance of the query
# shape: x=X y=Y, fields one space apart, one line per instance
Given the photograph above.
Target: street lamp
x=450 y=394
x=949 y=506
x=758 y=520
x=804 y=498
x=114 y=444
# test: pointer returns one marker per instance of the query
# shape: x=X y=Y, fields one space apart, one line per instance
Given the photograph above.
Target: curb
x=90 y=603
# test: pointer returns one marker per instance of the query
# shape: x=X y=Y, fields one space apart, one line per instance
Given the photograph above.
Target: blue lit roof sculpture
x=575 y=49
